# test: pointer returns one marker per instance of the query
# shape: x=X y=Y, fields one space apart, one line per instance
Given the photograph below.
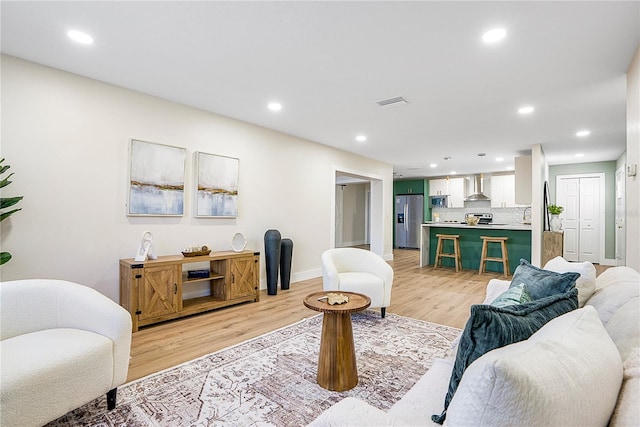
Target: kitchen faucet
x=524 y=213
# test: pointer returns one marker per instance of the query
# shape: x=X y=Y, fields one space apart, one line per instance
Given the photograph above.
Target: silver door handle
x=406 y=216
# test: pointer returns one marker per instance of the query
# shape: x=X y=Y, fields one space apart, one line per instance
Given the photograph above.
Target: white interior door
x=589 y=220
x=620 y=217
x=568 y=196
x=582 y=199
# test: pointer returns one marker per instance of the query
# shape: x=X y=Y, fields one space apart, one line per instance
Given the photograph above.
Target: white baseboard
x=353 y=243
x=295 y=277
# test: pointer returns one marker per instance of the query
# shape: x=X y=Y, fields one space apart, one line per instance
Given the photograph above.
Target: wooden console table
x=337 y=370
x=552 y=245
x=152 y=291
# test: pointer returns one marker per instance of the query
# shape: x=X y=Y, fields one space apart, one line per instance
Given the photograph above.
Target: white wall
x=633 y=157
x=539 y=174
x=67 y=138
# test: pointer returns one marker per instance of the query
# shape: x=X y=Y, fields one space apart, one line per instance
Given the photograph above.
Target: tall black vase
x=272 y=258
x=286 y=253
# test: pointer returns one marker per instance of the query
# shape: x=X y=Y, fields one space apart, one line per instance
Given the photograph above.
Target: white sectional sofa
x=62 y=345
x=581 y=368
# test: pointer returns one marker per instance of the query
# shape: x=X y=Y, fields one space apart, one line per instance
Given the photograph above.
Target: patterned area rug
x=271 y=380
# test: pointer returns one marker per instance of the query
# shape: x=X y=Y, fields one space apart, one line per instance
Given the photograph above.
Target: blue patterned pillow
x=491 y=327
x=514 y=295
x=542 y=283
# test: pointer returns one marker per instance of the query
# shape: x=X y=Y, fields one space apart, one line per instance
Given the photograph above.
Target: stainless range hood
x=478 y=190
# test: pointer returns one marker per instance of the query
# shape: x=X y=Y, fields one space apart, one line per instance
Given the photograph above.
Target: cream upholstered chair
x=358 y=270
x=62 y=345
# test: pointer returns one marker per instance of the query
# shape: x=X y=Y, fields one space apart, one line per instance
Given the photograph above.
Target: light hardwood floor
x=442 y=296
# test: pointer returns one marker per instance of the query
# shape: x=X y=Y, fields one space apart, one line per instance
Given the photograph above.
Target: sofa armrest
x=37 y=304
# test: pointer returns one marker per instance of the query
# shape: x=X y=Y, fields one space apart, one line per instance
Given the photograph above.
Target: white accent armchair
x=62 y=345
x=358 y=270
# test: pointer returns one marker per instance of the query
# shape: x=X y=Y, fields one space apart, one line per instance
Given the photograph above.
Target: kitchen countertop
x=497 y=226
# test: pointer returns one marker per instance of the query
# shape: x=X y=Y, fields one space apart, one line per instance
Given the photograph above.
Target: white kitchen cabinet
x=456 y=192
x=438 y=187
x=503 y=191
x=453 y=187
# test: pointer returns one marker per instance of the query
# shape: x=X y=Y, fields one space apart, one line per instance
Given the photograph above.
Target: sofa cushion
x=614 y=288
x=542 y=283
x=624 y=327
x=364 y=283
x=491 y=327
x=627 y=411
x=351 y=411
x=52 y=372
x=567 y=373
x=586 y=283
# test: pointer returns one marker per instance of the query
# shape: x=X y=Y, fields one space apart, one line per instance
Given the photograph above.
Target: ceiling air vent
x=392 y=102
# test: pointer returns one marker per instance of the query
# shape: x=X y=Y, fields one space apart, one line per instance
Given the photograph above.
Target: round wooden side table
x=337 y=370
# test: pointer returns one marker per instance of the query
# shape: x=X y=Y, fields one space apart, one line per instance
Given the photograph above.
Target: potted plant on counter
x=556 y=222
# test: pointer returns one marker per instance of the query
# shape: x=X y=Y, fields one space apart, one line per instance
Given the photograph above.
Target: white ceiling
x=329 y=62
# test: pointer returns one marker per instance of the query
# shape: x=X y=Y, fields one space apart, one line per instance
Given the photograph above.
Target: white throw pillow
x=586 y=283
x=567 y=373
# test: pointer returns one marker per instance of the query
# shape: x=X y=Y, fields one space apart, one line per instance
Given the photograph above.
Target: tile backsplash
x=500 y=215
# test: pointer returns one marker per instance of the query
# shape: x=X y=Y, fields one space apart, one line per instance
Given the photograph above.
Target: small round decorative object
x=239 y=242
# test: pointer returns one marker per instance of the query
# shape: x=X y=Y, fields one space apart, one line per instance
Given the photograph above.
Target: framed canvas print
x=217 y=185
x=156 y=179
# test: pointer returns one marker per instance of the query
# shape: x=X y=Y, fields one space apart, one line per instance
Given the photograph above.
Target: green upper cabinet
x=414 y=186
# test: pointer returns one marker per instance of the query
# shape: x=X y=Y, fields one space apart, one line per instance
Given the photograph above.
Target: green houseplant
x=6 y=202
x=555 y=209
x=555 y=223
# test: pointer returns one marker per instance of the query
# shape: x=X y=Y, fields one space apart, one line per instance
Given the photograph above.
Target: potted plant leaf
x=6 y=202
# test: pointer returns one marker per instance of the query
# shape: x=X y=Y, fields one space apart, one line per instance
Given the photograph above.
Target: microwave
x=440 y=201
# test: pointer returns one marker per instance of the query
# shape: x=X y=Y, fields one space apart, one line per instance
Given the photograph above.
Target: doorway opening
x=358 y=211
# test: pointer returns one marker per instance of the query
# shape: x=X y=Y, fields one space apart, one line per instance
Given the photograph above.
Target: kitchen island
x=518 y=245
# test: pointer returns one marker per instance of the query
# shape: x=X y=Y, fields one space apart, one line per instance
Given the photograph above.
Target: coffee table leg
x=337 y=370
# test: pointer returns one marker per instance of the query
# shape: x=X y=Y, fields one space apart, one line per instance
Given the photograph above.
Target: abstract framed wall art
x=217 y=185
x=156 y=179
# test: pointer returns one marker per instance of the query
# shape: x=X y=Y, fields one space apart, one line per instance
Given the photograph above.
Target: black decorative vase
x=272 y=258
x=286 y=253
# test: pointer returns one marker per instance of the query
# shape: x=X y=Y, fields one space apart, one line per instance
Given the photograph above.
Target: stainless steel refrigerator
x=409 y=217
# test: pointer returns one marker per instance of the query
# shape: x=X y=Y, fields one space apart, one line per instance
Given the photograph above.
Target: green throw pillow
x=491 y=327
x=542 y=283
x=514 y=295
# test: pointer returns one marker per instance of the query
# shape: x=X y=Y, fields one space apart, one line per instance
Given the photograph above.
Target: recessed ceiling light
x=528 y=109
x=580 y=155
x=510 y=168
x=453 y=172
x=583 y=133
x=80 y=37
x=433 y=165
x=275 y=106
x=499 y=159
x=361 y=138
x=494 y=35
